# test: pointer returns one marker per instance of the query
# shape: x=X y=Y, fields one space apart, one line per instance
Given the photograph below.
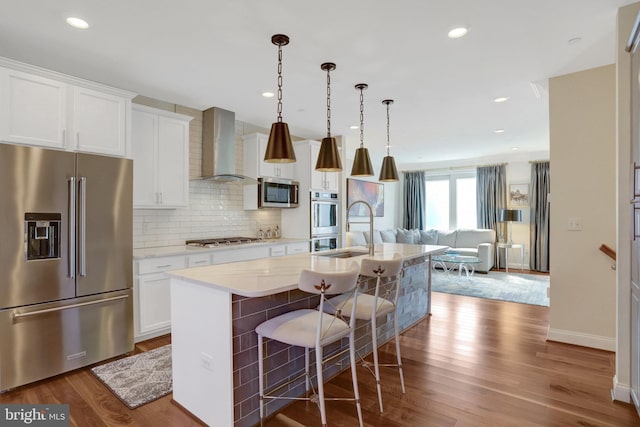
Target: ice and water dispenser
x=42 y=235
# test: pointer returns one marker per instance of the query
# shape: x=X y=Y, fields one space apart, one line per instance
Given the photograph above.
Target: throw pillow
x=429 y=237
x=356 y=238
x=377 y=238
x=388 y=236
x=405 y=236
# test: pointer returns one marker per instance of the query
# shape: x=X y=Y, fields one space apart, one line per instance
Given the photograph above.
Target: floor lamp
x=510 y=216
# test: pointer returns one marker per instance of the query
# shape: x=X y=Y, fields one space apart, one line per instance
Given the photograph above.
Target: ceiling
x=204 y=53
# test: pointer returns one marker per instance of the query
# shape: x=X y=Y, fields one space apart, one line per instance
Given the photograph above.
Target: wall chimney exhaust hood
x=219 y=147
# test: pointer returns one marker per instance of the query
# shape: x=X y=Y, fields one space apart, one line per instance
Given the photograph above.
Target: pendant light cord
x=361 y=117
x=328 y=103
x=279 y=82
x=388 y=129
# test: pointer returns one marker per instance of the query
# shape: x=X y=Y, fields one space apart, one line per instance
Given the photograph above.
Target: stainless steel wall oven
x=325 y=221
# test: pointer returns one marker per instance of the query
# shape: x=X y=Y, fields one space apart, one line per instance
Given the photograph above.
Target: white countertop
x=190 y=250
x=272 y=275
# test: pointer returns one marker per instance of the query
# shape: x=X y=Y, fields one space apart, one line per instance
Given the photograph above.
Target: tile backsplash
x=215 y=209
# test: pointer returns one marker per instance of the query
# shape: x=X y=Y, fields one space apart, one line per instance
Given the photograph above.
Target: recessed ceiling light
x=456 y=33
x=500 y=99
x=499 y=130
x=268 y=94
x=354 y=127
x=78 y=23
x=515 y=148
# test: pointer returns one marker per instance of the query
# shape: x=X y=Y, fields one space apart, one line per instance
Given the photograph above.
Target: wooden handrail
x=608 y=251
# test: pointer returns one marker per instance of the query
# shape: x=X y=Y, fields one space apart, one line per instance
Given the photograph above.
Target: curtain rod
x=443 y=169
x=539 y=161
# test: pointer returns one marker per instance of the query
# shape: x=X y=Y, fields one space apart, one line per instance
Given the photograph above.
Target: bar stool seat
x=369 y=307
x=299 y=328
x=313 y=329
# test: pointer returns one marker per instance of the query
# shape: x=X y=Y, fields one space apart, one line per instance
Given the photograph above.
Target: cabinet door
x=277 y=170
x=173 y=162
x=144 y=131
x=154 y=302
x=317 y=178
x=327 y=181
x=99 y=122
x=34 y=110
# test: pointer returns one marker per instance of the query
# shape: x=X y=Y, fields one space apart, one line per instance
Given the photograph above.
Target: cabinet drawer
x=155 y=265
x=278 y=250
x=199 y=260
x=297 y=248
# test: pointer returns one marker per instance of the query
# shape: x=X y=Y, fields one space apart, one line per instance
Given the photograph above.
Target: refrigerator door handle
x=16 y=316
x=82 y=228
x=71 y=255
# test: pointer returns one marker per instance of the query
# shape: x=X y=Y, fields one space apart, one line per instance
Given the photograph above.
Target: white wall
x=582 y=141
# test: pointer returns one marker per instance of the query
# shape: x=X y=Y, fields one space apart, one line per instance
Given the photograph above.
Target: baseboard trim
x=620 y=392
x=585 y=340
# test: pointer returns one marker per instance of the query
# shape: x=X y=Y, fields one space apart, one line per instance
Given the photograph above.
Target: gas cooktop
x=221 y=241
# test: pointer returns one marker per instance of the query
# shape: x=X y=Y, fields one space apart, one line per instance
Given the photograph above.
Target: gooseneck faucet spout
x=371 y=245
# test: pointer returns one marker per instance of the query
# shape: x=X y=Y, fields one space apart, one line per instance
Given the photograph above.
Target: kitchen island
x=215 y=309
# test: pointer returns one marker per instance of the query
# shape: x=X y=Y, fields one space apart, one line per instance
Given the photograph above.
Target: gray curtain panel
x=491 y=196
x=540 y=208
x=414 y=200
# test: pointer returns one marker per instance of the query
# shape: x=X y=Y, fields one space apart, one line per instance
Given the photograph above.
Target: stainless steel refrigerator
x=65 y=261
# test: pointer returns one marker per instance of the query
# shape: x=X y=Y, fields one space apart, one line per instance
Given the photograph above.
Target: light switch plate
x=575 y=224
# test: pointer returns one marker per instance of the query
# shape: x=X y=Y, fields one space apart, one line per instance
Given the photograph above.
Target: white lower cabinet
x=152 y=296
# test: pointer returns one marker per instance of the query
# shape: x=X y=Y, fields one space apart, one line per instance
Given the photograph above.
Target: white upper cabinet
x=99 y=122
x=160 y=142
x=305 y=170
x=326 y=181
x=48 y=109
x=255 y=146
x=34 y=109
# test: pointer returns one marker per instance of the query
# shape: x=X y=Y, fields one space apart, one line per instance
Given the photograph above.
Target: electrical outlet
x=206 y=361
x=575 y=224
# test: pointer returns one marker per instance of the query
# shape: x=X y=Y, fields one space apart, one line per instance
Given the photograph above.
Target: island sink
x=344 y=254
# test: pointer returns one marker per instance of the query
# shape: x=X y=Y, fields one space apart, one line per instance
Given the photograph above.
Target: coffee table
x=462 y=262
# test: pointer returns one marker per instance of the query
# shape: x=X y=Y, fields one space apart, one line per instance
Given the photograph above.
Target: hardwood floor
x=475 y=362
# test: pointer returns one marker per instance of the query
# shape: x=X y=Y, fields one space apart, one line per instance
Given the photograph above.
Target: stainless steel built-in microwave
x=277 y=193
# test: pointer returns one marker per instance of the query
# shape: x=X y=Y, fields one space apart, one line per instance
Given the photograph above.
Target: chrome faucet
x=371 y=245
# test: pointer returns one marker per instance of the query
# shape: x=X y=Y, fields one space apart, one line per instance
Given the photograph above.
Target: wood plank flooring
x=475 y=362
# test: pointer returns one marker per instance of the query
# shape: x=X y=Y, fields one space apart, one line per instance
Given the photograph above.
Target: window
x=451 y=200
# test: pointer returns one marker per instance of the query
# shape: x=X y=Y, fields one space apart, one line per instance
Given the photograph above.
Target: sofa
x=473 y=242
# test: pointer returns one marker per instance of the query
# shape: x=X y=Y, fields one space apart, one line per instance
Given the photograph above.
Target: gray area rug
x=514 y=287
x=138 y=379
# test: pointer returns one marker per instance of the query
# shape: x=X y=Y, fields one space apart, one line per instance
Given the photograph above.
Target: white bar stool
x=383 y=301
x=310 y=328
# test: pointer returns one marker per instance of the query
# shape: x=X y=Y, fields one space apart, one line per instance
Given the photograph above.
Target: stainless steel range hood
x=219 y=147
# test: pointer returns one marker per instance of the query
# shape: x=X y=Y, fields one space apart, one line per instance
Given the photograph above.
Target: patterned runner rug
x=138 y=379
x=514 y=287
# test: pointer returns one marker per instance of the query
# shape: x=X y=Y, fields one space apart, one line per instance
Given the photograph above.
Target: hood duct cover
x=219 y=146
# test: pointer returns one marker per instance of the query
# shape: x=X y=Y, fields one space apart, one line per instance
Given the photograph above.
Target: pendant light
x=388 y=173
x=361 y=162
x=328 y=157
x=279 y=147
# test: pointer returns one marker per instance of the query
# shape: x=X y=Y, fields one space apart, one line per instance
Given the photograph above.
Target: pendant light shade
x=362 y=162
x=279 y=147
x=388 y=172
x=329 y=156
